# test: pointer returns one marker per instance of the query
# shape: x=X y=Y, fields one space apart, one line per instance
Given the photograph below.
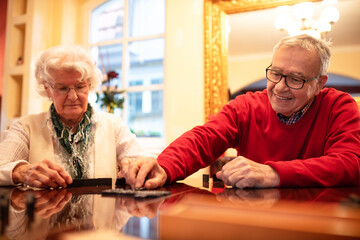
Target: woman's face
x=70 y=106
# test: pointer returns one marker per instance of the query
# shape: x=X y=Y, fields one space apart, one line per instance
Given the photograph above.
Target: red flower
x=112 y=74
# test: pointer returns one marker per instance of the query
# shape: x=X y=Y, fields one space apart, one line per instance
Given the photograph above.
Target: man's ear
x=321 y=82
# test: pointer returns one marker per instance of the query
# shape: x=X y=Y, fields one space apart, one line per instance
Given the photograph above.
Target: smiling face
x=72 y=106
x=298 y=62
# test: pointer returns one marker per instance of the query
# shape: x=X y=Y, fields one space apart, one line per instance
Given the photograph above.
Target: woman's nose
x=72 y=94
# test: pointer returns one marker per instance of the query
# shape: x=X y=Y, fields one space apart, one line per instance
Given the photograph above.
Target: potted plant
x=110 y=97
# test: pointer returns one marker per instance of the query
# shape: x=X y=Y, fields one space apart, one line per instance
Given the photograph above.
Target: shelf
x=19 y=20
x=15 y=98
x=18 y=43
x=16 y=70
x=19 y=8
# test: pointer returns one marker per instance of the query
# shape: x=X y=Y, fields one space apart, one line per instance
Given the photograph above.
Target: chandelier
x=298 y=19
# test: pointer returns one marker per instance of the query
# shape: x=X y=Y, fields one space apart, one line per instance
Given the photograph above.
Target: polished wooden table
x=205 y=209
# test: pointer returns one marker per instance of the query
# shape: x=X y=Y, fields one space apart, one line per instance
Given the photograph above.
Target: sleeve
x=14 y=149
x=202 y=145
x=339 y=165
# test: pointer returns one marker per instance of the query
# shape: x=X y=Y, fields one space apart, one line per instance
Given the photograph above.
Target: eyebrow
x=300 y=75
x=62 y=85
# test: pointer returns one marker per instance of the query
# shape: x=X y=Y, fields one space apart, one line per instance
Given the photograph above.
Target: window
x=127 y=36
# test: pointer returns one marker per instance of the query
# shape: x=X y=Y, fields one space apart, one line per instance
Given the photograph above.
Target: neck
x=72 y=124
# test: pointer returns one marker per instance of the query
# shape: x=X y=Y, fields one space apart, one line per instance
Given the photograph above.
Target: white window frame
x=152 y=144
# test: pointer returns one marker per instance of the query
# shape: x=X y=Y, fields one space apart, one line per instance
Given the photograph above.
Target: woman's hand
x=242 y=173
x=142 y=172
x=47 y=202
x=45 y=174
x=50 y=202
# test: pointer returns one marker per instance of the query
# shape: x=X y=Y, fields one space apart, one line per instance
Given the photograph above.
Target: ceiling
x=253 y=33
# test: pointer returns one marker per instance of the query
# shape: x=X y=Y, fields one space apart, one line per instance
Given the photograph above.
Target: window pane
x=146 y=62
x=145 y=113
x=107 y=21
x=93 y=99
x=146 y=17
x=109 y=58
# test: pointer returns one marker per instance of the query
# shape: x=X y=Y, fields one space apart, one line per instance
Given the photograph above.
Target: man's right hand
x=45 y=174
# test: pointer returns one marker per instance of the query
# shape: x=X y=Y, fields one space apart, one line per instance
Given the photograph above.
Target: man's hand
x=242 y=173
x=45 y=174
x=140 y=208
x=142 y=172
x=254 y=197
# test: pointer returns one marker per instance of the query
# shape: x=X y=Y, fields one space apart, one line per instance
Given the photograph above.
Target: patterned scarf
x=80 y=136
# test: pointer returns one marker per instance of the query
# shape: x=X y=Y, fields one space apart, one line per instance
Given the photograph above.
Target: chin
x=74 y=113
x=282 y=111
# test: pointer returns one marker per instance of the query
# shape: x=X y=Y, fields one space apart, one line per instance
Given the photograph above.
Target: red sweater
x=321 y=149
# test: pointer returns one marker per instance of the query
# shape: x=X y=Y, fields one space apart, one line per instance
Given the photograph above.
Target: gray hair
x=73 y=58
x=321 y=47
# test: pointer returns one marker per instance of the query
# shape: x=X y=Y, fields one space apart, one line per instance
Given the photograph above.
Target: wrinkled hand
x=45 y=174
x=142 y=172
x=50 y=202
x=139 y=208
x=47 y=202
x=264 y=198
x=242 y=173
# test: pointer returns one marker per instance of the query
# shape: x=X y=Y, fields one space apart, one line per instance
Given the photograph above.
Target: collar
x=295 y=117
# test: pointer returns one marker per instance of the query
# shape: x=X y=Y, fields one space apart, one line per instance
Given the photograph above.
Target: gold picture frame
x=215 y=46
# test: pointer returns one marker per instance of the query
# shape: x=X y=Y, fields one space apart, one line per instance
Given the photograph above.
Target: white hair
x=74 y=58
x=321 y=47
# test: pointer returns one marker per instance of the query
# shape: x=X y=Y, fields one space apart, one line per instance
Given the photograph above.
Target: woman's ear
x=47 y=89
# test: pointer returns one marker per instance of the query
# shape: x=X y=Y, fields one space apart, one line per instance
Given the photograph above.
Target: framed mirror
x=216 y=43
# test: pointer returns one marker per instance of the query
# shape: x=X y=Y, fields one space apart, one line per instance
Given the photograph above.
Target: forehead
x=296 y=60
x=66 y=77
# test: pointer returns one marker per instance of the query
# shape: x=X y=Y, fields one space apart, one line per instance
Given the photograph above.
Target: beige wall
x=184 y=84
x=244 y=70
x=346 y=61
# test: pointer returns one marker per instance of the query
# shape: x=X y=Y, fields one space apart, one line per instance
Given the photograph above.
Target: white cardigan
x=30 y=139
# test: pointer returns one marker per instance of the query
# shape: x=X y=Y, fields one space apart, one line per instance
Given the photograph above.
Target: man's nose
x=282 y=84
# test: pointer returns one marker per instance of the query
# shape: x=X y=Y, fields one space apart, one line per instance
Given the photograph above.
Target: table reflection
x=47 y=214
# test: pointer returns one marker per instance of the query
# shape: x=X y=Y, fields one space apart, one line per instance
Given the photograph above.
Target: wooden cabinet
x=15 y=62
x=32 y=26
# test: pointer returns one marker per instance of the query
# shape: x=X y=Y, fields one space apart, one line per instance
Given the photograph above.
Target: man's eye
x=275 y=74
x=295 y=80
x=63 y=88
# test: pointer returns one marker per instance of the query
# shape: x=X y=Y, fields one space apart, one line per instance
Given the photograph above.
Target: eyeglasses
x=290 y=81
x=63 y=90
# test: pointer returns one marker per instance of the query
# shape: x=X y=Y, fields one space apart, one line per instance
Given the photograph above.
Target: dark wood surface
x=204 y=210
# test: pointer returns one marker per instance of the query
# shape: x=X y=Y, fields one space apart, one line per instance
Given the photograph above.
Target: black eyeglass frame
x=285 y=76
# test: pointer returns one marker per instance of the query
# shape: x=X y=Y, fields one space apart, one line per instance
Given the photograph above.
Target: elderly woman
x=70 y=140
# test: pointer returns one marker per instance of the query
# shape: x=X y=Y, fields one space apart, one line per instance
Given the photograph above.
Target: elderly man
x=295 y=133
